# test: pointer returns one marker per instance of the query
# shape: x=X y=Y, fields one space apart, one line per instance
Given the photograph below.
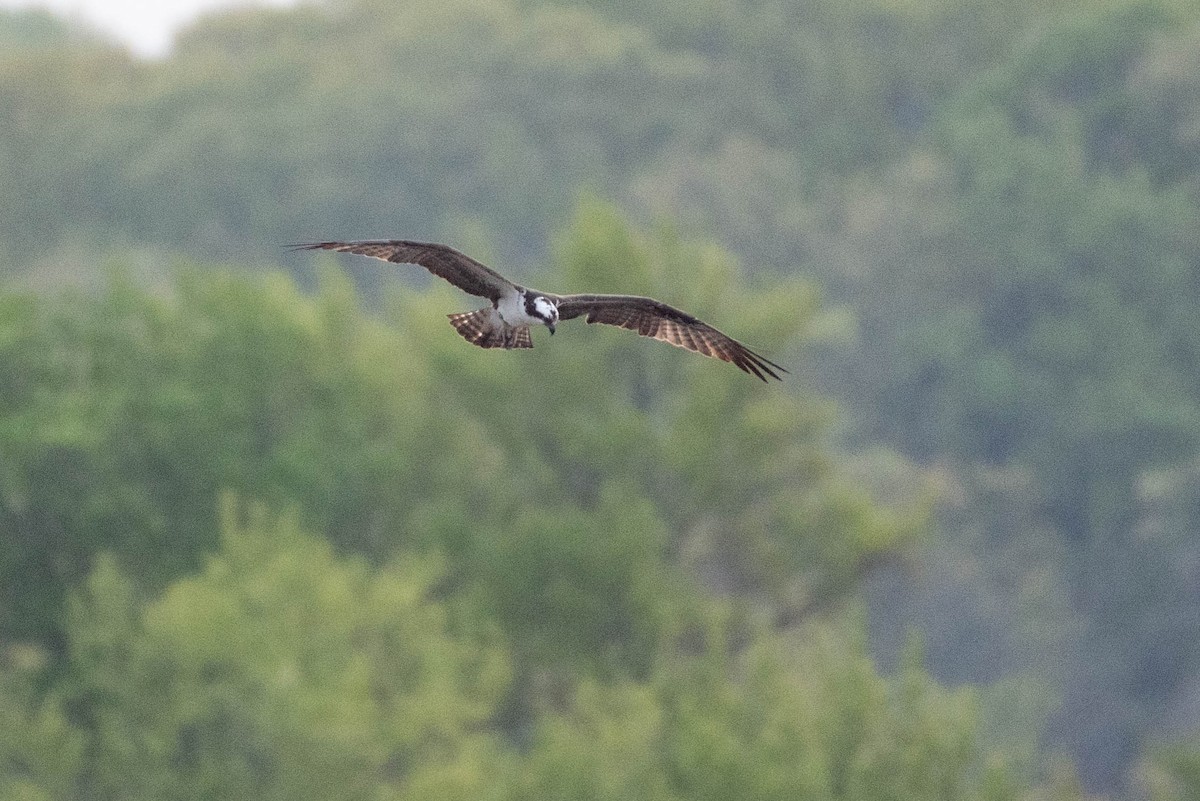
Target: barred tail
x=479 y=328
x=521 y=338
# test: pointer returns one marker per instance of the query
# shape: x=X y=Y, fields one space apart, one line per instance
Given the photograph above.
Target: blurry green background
x=270 y=529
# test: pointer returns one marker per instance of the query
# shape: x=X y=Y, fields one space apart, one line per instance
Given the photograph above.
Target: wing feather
x=652 y=318
x=445 y=262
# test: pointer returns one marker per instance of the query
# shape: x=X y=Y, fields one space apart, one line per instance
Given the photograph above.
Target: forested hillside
x=955 y=555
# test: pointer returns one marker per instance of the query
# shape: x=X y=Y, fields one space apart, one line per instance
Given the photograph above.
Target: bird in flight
x=505 y=323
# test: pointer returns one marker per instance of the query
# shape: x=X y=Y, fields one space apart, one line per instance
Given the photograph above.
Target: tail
x=479 y=328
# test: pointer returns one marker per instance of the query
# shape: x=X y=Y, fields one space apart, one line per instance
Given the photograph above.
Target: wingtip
x=771 y=371
x=758 y=365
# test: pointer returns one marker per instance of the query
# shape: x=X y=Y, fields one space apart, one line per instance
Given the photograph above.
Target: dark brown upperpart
x=445 y=262
x=655 y=319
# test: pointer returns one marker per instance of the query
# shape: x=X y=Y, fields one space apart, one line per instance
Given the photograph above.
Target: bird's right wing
x=443 y=261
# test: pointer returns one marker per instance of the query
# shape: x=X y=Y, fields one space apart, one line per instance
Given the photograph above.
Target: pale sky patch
x=145 y=26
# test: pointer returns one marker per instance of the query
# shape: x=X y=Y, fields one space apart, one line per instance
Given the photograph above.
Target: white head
x=546 y=311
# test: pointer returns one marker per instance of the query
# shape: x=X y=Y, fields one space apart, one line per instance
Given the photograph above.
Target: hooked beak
x=551 y=327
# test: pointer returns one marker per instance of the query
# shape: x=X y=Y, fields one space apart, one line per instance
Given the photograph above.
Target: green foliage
x=1172 y=773
x=488 y=606
x=278 y=671
x=136 y=411
x=1027 y=303
x=41 y=753
x=1002 y=197
x=771 y=722
x=32 y=29
x=430 y=116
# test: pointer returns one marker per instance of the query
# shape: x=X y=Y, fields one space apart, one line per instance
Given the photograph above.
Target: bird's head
x=545 y=310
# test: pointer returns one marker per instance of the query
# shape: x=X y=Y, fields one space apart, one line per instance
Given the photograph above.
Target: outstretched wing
x=442 y=260
x=650 y=318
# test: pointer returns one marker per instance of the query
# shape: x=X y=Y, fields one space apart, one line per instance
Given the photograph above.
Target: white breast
x=512 y=310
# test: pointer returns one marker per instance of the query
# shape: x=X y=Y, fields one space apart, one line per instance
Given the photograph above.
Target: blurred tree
x=128 y=414
x=34 y=29
x=1003 y=193
x=427 y=117
x=41 y=753
x=1172 y=773
x=1026 y=301
x=280 y=671
x=772 y=721
x=562 y=571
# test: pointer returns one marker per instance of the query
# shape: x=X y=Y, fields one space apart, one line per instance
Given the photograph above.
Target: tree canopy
x=971 y=225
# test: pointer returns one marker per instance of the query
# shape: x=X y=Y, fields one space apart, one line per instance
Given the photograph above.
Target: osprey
x=505 y=323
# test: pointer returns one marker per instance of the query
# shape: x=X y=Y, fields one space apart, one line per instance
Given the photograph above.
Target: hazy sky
x=145 y=25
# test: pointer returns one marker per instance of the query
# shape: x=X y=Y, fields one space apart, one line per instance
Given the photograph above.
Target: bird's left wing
x=652 y=318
